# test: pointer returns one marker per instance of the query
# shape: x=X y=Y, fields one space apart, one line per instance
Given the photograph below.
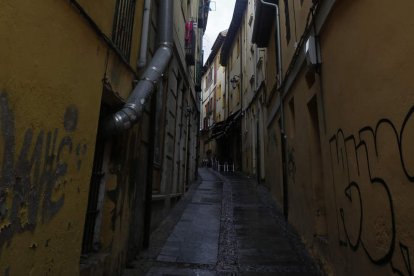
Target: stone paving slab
x=265 y=244
x=229 y=226
x=195 y=237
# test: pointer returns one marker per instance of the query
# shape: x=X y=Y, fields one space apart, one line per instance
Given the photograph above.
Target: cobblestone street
x=226 y=225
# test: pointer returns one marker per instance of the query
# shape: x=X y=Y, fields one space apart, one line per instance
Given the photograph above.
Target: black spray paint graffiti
x=373 y=175
x=32 y=175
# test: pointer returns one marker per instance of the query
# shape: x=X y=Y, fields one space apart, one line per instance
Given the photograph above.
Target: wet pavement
x=195 y=237
x=226 y=225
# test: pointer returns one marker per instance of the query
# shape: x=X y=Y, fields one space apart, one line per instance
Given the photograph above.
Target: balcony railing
x=190 y=43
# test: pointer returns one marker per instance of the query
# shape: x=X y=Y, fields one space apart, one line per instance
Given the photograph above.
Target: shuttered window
x=123 y=26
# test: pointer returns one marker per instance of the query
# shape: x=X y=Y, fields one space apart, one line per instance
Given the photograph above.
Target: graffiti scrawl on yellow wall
x=32 y=178
x=373 y=179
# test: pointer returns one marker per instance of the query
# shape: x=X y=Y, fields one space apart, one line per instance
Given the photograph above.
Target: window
x=123 y=26
x=205 y=123
x=188 y=8
x=210 y=106
x=161 y=90
x=209 y=78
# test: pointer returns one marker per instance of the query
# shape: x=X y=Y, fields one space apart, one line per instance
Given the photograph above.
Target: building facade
x=253 y=97
x=245 y=74
x=338 y=120
x=74 y=198
x=177 y=119
x=213 y=104
x=231 y=59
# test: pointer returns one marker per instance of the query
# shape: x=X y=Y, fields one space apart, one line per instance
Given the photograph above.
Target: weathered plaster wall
x=350 y=174
x=175 y=167
x=370 y=145
x=50 y=90
x=234 y=69
x=254 y=95
x=273 y=161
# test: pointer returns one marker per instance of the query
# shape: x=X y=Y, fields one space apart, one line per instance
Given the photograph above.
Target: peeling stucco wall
x=51 y=76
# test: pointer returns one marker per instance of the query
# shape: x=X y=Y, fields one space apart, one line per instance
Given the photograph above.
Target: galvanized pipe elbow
x=131 y=112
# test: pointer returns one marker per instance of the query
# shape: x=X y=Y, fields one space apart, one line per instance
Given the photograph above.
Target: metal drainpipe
x=279 y=87
x=134 y=107
x=278 y=41
x=241 y=97
x=278 y=62
x=144 y=34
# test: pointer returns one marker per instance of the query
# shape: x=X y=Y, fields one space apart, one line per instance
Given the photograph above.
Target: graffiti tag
x=32 y=175
x=373 y=173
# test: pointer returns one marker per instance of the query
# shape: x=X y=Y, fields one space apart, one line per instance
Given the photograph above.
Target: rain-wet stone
x=195 y=237
x=230 y=226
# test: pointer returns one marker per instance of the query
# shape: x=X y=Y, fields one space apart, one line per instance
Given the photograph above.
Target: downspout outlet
x=132 y=111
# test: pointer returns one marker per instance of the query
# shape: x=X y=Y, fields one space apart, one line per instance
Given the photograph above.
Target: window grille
x=123 y=26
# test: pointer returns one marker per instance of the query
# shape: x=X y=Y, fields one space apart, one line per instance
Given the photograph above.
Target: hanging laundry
x=188 y=32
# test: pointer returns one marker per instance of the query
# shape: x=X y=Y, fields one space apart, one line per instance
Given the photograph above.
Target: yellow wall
x=369 y=98
x=350 y=193
x=102 y=12
x=50 y=88
x=273 y=161
x=233 y=68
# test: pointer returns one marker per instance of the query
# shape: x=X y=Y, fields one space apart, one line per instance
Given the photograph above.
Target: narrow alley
x=226 y=225
x=198 y=137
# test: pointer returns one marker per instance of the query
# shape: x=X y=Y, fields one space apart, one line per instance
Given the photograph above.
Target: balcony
x=190 y=48
x=203 y=14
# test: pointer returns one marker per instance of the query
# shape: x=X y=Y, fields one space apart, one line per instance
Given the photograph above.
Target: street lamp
x=234 y=81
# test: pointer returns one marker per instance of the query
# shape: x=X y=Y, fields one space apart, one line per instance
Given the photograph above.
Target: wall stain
x=70 y=120
x=369 y=171
x=33 y=175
